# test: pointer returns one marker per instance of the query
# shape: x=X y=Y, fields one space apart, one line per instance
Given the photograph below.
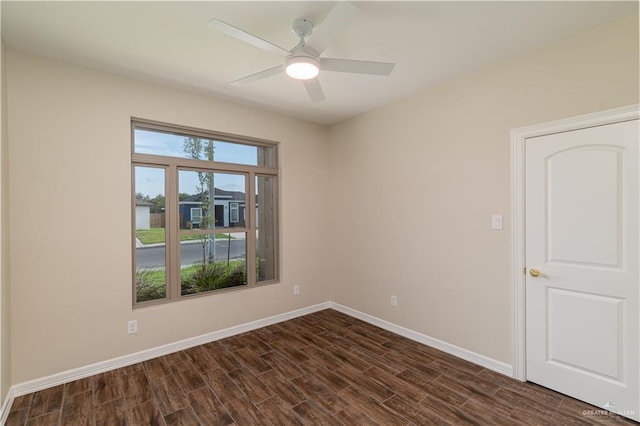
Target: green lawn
x=156 y=235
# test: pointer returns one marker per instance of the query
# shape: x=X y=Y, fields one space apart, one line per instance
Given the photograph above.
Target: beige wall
x=417 y=182
x=70 y=213
x=5 y=318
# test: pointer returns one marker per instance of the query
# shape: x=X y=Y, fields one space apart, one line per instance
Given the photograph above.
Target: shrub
x=150 y=285
x=214 y=276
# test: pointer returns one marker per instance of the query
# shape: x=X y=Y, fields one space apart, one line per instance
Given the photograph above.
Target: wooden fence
x=157 y=220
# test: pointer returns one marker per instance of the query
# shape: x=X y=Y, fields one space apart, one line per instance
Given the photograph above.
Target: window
x=196 y=215
x=234 y=213
x=202 y=237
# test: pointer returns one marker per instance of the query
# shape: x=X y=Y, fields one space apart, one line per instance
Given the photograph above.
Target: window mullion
x=173 y=239
x=251 y=229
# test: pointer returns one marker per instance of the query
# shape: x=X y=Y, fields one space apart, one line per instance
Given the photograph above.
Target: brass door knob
x=536 y=273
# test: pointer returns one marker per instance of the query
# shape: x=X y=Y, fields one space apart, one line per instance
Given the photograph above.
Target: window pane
x=266 y=228
x=173 y=144
x=209 y=264
x=199 y=211
x=150 y=234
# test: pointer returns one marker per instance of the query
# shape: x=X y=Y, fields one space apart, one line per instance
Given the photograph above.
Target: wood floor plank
x=315 y=390
x=111 y=413
x=253 y=342
x=252 y=360
x=244 y=412
x=184 y=417
x=329 y=378
x=135 y=388
x=222 y=357
x=17 y=417
x=78 y=410
x=352 y=416
x=531 y=405
x=156 y=368
x=416 y=413
x=21 y=402
x=232 y=343
x=347 y=357
x=490 y=414
x=323 y=368
x=465 y=385
x=208 y=408
x=146 y=413
x=366 y=383
x=371 y=407
x=222 y=385
x=46 y=400
x=364 y=342
x=278 y=412
x=382 y=362
x=285 y=389
x=312 y=414
x=397 y=386
x=369 y=332
x=285 y=348
x=52 y=418
x=187 y=377
x=78 y=386
x=107 y=387
x=435 y=390
x=201 y=359
x=168 y=394
x=281 y=363
x=253 y=387
x=323 y=357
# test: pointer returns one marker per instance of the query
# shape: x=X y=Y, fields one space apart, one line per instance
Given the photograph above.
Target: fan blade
x=314 y=90
x=360 y=67
x=336 y=21
x=246 y=37
x=257 y=76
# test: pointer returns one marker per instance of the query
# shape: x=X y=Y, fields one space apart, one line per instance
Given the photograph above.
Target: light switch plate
x=496 y=221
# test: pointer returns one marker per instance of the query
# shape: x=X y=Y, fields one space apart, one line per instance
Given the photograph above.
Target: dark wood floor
x=325 y=368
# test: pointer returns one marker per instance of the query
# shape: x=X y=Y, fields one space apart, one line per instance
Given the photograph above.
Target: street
x=154 y=257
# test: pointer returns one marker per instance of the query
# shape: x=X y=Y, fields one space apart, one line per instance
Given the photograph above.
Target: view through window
x=205 y=212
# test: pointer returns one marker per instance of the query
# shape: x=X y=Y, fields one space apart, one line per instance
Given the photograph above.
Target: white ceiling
x=169 y=42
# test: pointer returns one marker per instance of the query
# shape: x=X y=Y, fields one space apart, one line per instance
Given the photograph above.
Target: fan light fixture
x=302 y=67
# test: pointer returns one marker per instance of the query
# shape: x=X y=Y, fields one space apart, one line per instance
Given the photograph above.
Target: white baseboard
x=123 y=361
x=476 y=358
x=6 y=407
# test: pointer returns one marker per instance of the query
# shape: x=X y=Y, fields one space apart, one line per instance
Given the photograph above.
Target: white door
x=582 y=225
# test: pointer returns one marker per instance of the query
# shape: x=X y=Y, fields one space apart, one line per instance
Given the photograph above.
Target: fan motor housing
x=302 y=28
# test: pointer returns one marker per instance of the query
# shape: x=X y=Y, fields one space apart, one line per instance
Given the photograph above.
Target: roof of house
x=219 y=194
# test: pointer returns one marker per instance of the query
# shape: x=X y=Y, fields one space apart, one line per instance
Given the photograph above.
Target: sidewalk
x=235 y=236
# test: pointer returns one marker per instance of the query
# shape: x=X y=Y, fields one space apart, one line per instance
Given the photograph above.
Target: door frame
x=518 y=140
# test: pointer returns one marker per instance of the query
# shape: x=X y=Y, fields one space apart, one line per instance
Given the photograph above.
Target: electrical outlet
x=296 y=290
x=394 y=301
x=132 y=327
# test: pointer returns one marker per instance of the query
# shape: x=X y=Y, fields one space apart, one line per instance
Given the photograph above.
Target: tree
x=142 y=197
x=197 y=148
x=158 y=203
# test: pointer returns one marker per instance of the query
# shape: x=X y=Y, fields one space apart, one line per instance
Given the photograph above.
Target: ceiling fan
x=303 y=62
